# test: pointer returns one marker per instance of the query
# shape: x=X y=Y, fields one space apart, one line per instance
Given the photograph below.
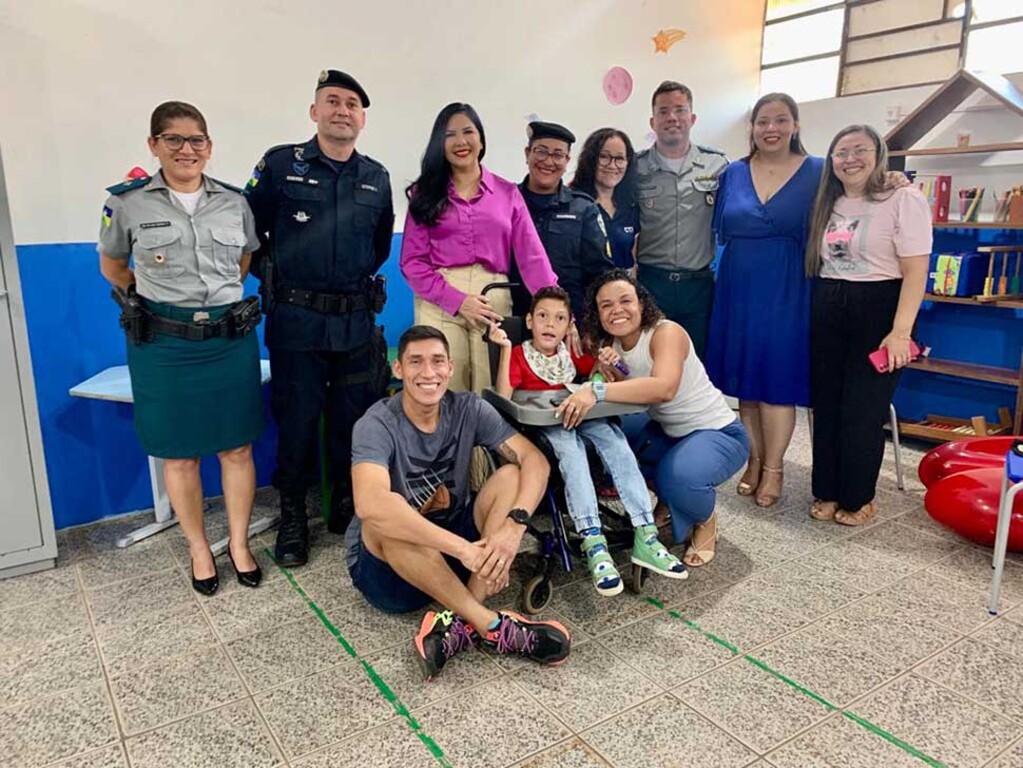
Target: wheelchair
x=528 y=412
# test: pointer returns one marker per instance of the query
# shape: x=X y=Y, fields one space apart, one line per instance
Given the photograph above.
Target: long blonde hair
x=830 y=189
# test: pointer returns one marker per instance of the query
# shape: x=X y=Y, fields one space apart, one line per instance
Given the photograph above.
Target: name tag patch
x=568 y=216
x=368 y=187
x=154 y=224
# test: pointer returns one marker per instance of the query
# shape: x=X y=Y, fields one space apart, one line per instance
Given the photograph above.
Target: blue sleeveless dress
x=759 y=343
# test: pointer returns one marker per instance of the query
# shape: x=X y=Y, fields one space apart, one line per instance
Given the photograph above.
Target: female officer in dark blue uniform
x=567 y=220
x=195 y=373
x=324 y=216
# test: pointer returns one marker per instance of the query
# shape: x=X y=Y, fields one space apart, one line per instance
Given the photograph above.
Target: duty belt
x=324 y=303
x=675 y=276
x=240 y=320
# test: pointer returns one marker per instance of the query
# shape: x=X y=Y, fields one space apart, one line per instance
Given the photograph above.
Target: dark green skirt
x=195 y=398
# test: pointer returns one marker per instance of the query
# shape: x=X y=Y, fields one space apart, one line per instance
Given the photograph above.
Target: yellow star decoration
x=665 y=38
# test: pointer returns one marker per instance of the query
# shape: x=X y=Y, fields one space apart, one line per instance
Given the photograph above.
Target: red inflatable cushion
x=961 y=455
x=967 y=502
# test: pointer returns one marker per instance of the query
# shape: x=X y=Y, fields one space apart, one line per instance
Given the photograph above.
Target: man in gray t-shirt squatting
x=417 y=536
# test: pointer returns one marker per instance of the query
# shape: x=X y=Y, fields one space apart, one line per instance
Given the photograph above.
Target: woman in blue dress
x=759 y=335
x=606 y=173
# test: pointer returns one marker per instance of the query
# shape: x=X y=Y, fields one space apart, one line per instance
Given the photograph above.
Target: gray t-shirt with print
x=430 y=470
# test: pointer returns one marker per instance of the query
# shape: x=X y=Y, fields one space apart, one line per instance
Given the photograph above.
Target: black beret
x=541 y=130
x=339 y=79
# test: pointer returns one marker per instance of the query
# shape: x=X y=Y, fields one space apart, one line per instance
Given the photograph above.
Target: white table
x=114 y=384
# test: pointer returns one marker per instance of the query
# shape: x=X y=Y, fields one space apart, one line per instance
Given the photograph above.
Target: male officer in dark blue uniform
x=567 y=220
x=325 y=219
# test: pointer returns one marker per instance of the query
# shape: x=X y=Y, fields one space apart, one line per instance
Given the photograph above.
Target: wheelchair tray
x=537 y=410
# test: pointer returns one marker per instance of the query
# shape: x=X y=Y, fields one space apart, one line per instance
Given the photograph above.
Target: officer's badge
x=107 y=216
x=299 y=152
x=301 y=217
x=300 y=168
x=323 y=76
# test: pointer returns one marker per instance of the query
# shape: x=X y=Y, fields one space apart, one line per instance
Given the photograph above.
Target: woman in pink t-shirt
x=464 y=226
x=868 y=249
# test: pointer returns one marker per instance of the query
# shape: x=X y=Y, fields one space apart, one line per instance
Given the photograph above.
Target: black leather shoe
x=206 y=586
x=292 y=547
x=246 y=578
x=342 y=510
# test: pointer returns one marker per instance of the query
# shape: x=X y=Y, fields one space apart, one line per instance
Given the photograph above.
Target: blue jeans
x=617 y=457
x=686 y=470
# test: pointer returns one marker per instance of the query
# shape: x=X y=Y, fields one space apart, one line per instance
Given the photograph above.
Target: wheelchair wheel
x=639 y=577
x=537 y=594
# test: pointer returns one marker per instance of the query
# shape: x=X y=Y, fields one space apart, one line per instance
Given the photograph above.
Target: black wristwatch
x=519 y=515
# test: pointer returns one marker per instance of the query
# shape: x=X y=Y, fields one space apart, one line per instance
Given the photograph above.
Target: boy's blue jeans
x=616 y=455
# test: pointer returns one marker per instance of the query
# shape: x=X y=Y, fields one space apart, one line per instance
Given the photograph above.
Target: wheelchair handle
x=491 y=286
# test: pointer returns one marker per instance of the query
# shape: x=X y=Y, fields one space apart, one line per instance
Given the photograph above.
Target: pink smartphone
x=879 y=357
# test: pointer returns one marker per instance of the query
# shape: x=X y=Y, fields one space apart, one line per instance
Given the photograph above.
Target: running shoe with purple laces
x=441 y=635
x=546 y=642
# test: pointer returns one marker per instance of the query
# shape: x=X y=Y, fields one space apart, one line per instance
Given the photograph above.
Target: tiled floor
x=803 y=645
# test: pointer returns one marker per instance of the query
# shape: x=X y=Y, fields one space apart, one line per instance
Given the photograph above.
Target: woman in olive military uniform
x=195 y=374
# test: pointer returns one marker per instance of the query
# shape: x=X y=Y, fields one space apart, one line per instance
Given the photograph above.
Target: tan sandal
x=823 y=510
x=750 y=480
x=862 y=516
x=697 y=554
x=766 y=500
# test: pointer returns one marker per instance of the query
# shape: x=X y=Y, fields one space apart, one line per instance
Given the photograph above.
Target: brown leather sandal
x=823 y=510
x=766 y=500
x=862 y=516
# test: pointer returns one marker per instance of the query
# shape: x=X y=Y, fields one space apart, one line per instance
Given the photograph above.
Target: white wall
x=82 y=76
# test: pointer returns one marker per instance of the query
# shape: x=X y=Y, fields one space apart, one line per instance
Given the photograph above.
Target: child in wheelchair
x=545 y=364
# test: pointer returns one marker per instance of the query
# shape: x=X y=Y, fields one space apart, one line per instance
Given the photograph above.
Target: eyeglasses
x=857 y=153
x=557 y=156
x=174 y=142
x=619 y=161
x=679 y=112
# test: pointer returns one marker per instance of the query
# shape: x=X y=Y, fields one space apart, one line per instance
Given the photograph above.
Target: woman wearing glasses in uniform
x=464 y=225
x=605 y=172
x=869 y=249
x=183 y=241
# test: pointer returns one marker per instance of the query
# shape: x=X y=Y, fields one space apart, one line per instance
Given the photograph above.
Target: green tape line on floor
x=374 y=677
x=862 y=722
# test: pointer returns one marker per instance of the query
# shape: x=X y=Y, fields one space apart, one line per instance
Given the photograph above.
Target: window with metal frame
x=814 y=49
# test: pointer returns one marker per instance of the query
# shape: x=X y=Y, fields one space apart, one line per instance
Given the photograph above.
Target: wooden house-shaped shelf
x=901 y=142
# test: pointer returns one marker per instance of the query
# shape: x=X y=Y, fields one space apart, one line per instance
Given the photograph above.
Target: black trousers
x=304 y=384
x=687 y=302
x=850 y=399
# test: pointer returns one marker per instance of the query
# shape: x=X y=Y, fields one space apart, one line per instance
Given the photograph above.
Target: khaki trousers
x=469 y=352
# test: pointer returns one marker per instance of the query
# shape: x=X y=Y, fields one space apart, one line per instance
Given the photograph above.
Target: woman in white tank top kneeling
x=689 y=441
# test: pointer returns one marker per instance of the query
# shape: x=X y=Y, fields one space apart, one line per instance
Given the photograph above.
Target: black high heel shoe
x=246 y=578
x=206 y=586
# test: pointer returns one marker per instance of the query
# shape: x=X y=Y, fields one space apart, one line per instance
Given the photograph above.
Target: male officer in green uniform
x=324 y=217
x=677 y=182
x=567 y=220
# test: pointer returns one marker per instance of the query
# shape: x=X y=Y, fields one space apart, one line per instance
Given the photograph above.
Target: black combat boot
x=342 y=509
x=292 y=548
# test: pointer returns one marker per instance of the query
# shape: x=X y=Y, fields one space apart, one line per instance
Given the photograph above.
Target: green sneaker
x=648 y=552
x=605 y=576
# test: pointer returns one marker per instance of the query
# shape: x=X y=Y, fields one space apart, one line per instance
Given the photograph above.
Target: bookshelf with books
x=971 y=315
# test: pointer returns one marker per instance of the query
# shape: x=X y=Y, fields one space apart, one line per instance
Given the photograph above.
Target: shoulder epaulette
x=225 y=185
x=129 y=185
x=583 y=195
x=710 y=150
x=275 y=149
x=373 y=162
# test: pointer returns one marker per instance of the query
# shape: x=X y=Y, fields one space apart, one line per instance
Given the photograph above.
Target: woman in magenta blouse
x=463 y=226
